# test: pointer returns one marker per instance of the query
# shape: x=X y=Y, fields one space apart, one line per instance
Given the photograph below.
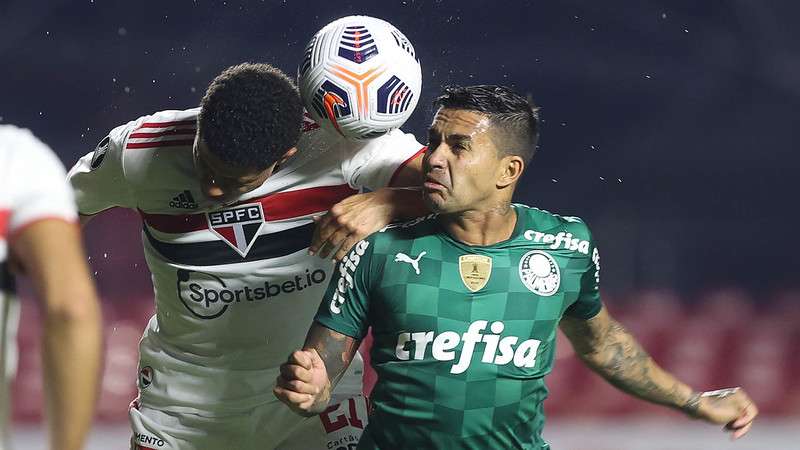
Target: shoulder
x=406 y=231
x=26 y=157
x=545 y=226
x=411 y=229
x=19 y=145
x=160 y=129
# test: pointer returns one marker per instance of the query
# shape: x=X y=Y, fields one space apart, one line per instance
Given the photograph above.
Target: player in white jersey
x=39 y=234
x=228 y=196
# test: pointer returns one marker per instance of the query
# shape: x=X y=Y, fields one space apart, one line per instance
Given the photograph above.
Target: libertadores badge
x=475 y=271
x=539 y=273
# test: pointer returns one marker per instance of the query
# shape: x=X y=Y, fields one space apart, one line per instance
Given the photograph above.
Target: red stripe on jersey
x=167 y=124
x=155 y=144
x=4 y=216
x=178 y=132
x=279 y=206
x=405 y=163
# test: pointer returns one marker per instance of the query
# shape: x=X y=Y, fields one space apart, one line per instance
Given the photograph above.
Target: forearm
x=622 y=361
x=71 y=355
x=407 y=203
x=336 y=351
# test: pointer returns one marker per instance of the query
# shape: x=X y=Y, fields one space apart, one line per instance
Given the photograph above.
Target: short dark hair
x=250 y=115
x=517 y=116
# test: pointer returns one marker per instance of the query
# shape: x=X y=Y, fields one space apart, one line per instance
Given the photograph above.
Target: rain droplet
x=127 y=90
x=663 y=15
x=193 y=89
x=105 y=255
x=602 y=179
x=619 y=180
x=553 y=180
x=122 y=31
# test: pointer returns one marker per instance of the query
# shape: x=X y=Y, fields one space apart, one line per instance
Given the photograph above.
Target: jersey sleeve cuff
x=584 y=312
x=339 y=327
x=17 y=230
x=403 y=164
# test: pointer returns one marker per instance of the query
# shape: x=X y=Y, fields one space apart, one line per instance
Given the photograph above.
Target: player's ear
x=511 y=167
x=289 y=153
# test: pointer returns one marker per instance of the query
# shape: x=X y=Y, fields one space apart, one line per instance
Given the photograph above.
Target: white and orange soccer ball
x=360 y=77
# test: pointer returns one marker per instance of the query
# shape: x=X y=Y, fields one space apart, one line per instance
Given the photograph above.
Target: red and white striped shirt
x=235 y=287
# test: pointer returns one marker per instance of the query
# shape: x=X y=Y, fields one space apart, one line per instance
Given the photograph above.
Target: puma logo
x=402 y=257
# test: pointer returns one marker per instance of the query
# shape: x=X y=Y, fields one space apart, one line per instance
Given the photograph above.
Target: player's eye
x=433 y=142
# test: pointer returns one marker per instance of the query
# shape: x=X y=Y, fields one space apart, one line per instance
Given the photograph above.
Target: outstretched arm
x=360 y=215
x=309 y=376
x=611 y=351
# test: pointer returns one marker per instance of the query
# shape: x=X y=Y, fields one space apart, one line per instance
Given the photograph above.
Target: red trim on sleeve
x=167 y=124
x=405 y=163
x=154 y=144
x=174 y=132
x=17 y=231
x=278 y=206
x=4 y=215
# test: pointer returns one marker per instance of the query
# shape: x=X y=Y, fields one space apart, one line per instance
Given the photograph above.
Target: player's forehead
x=462 y=122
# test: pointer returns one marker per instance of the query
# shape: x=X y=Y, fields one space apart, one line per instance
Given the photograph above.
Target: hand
x=350 y=221
x=303 y=383
x=731 y=407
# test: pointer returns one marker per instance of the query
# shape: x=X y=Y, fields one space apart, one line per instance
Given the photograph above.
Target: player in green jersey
x=464 y=305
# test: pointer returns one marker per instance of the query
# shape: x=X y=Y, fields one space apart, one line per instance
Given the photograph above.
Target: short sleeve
x=372 y=165
x=588 y=303
x=98 y=178
x=37 y=187
x=345 y=306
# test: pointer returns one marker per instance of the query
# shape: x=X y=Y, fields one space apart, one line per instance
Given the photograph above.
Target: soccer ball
x=360 y=77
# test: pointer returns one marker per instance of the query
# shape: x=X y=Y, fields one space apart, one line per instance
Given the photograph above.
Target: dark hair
x=517 y=116
x=251 y=115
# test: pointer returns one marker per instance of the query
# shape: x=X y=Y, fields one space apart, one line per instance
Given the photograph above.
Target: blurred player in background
x=464 y=305
x=228 y=193
x=39 y=233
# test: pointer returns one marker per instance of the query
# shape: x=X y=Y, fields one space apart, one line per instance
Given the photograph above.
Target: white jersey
x=235 y=288
x=32 y=188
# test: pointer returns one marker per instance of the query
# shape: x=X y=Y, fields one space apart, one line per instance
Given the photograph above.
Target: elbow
x=79 y=308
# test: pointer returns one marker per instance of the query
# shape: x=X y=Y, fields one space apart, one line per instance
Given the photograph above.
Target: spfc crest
x=238 y=226
x=475 y=271
x=539 y=273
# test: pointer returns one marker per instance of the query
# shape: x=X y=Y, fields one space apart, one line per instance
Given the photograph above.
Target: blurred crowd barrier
x=724 y=338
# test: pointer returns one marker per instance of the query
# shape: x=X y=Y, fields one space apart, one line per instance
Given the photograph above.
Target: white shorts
x=269 y=426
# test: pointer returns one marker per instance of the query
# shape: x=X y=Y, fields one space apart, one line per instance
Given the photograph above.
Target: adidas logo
x=183 y=200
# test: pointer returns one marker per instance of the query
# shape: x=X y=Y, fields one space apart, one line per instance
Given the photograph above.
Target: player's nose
x=212 y=190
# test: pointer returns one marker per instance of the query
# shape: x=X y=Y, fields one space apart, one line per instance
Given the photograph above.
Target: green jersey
x=463 y=334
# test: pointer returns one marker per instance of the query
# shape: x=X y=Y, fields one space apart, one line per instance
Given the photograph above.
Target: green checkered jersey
x=463 y=334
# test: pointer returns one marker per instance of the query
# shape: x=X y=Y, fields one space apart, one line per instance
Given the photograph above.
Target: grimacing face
x=461 y=164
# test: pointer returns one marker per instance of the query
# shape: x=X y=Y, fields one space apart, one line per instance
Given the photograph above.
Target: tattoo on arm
x=336 y=350
x=611 y=351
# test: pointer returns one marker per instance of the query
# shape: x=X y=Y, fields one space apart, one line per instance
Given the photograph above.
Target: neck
x=481 y=227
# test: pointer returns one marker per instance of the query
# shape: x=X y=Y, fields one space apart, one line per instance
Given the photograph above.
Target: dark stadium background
x=669 y=126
